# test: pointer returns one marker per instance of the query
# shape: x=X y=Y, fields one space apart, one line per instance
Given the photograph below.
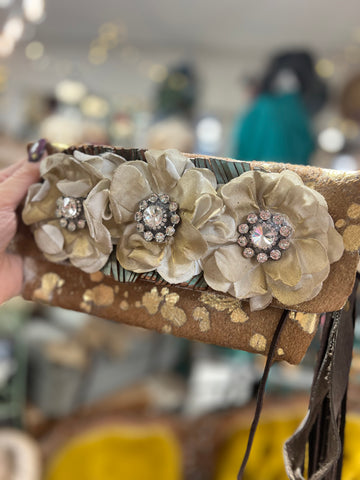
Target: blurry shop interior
x=87 y=399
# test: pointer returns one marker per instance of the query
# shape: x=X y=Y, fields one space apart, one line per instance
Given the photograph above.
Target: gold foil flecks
x=101 y=296
x=85 y=306
x=124 y=305
x=173 y=314
x=166 y=329
x=239 y=316
x=96 y=277
x=280 y=352
x=201 y=315
x=354 y=211
x=340 y=223
x=258 y=342
x=351 y=238
x=49 y=283
x=307 y=321
x=220 y=303
x=151 y=301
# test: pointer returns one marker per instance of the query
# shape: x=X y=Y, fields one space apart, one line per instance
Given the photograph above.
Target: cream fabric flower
x=84 y=177
x=298 y=275
x=193 y=189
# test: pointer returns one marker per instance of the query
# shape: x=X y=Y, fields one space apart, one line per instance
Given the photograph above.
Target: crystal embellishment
x=157 y=217
x=265 y=235
x=70 y=212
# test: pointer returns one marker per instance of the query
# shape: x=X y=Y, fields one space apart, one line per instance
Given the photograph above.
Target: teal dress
x=275 y=128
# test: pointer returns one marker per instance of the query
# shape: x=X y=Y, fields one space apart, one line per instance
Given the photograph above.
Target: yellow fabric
x=266 y=460
x=119 y=453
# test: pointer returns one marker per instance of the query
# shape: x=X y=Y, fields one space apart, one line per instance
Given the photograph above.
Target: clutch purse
x=210 y=249
x=206 y=280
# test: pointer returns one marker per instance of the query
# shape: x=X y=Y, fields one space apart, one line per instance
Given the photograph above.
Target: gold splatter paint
x=85 y=306
x=96 y=276
x=49 y=283
x=220 y=303
x=101 y=296
x=116 y=289
x=175 y=315
x=138 y=304
x=354 y=211
x=201 y=315
x=340 y=223
x=124 y=305
x=151 y=301
x=172 y=298
x=239 y=316
x=351 y=238
x=280 y=352
x=166 y=329
x=258 y=342
x=126 y=294
x=307 y=321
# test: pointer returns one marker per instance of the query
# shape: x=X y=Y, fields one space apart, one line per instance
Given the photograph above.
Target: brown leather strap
x=261 y=392
x=323 y=427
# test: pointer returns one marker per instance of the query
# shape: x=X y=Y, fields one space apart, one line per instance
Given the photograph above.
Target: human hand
x=14 y=183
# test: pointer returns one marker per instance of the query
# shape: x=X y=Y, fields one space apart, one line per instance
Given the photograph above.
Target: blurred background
x=278 y=80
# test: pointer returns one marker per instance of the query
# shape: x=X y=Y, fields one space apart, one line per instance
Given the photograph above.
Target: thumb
x=14 y=188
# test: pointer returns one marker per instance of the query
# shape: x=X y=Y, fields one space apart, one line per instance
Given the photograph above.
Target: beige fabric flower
x=80 y=176
x=298 y=275
x=193 y=189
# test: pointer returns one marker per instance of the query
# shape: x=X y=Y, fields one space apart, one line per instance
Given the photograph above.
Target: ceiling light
x=70 y=91
x=34 y=10
x=94 y=106
x=332 y=140
x=14 y=28
x=34 y=50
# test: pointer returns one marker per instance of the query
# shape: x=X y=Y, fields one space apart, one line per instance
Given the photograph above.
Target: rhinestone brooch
x=265 y=235
x=70 y=212
x=157 y=217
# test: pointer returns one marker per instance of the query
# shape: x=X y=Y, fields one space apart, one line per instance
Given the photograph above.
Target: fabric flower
x=289 y=253
x=167 y=210
x=69 y=212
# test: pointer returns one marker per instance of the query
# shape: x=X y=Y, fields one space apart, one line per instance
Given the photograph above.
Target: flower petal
x=239 y=196
x=335 y=243
x=49 y=239
x=227 y=270
x=189 y=188
x=167 y=167
x=94 y=208
x=312 y=255
x=40 y=203
x=286 y=270
x=130 y=185
x=135 y=253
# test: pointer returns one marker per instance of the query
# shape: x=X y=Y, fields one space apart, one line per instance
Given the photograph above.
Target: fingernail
x=36 y=150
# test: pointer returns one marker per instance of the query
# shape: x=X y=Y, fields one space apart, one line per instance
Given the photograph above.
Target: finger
x=11 y=276
x=6 y=172
x=14 y=188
